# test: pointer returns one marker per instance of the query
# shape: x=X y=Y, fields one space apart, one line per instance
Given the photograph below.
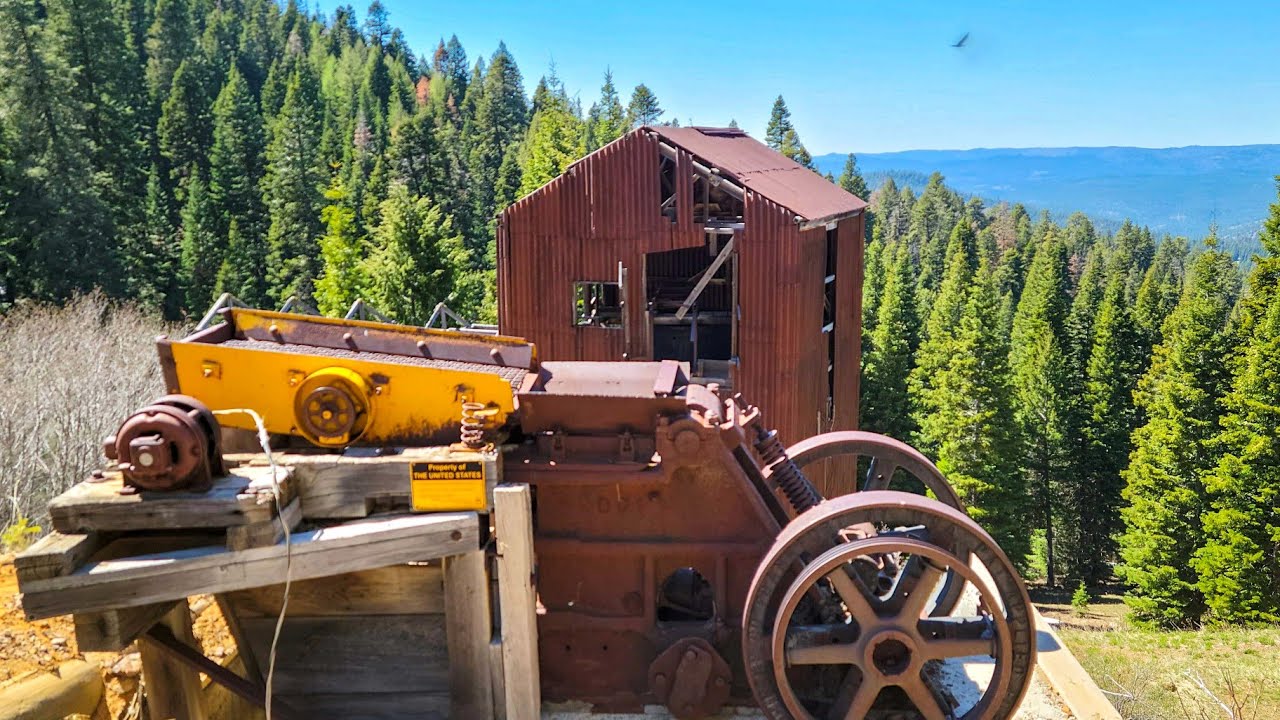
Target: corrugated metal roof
x=764 y=170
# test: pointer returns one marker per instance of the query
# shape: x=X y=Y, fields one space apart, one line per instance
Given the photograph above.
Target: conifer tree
x=1239 y=570
x=1181 y=397
x=499 y=124
x=55 y=208
x=185 y=128
x=969 y=404
x=938 y=338
x=556 y=139
x=342 y=250
x=1160 y=288
x=236 y=168
x=877 y=262
x=781 y=135
x=643 y=108
x=203 y=247
x=170 y=41
x=886 y=399
x=293 y=188
x=933 y=216
x=607 y=120
x=1038 y=362
x=417 y=259
x=851 y=180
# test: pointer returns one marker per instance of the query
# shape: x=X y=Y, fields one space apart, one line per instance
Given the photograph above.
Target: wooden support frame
x=131 y=582
x=468 y=632
x=513 y=515
x=113 y=630
x=714 y=268
x=173 y=689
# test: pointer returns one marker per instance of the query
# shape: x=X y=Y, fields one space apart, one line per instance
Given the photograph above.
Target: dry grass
x=68 y=376
x=1202 y=674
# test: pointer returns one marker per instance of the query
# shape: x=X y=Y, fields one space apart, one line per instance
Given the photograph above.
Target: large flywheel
x=845 y=617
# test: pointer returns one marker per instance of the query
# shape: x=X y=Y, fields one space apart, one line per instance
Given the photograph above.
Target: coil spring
x=799 y=491
x=473 y=425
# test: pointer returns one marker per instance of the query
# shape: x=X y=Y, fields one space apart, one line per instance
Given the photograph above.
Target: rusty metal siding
x=602 y=210
x=605 y=209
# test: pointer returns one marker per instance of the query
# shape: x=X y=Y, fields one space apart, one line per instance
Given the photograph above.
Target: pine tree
x=608 y=120
x=851 y=180
x=203 y=247
x=417 y=258
x=1038 y=362
x=1116 y=361
x=185 y=128
x=55 y=209
x=781 y=135
x=933 y=215
x=499 y=125
x=170 y=41
x=886 y=399
x=1238 y=567
x=1160 y=288
x=556 y=139
x=237 y=165
x=293 y=188
x=969 y=404
x=938 y=338
x=342 y=250
x=643 y=108
x=376 y=25
x=1181 y=396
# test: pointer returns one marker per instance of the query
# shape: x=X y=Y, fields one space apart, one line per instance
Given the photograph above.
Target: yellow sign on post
x=447 y=485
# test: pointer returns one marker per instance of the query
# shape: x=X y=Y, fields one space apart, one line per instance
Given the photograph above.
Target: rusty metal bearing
x=333 y=407
x=172 y=444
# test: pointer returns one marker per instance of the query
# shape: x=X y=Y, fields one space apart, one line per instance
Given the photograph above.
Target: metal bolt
x=145 y=459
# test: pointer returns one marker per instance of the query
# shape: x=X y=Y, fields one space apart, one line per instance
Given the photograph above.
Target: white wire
x=265 y=441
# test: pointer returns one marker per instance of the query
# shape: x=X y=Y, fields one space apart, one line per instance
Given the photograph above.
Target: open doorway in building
x=690 y=299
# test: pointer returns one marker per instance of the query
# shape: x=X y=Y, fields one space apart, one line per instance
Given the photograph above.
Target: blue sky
x=881 y=76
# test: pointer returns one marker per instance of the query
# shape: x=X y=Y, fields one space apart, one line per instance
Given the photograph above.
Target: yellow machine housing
x=346 y=382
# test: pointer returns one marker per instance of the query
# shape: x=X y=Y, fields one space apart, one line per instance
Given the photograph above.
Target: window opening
x=597 y=304
x=829 y=318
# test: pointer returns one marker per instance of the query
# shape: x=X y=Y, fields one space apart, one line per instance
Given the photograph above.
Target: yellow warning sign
x=447 y=486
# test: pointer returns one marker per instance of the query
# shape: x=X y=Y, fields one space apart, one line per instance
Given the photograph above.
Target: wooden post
x=173 y=689
x=468 y=631
x=514 y=529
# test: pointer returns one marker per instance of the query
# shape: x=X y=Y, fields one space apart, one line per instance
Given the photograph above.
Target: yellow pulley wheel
x=333 y=407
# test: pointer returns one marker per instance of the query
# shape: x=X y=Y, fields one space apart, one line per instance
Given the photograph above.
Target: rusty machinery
x=684 y=558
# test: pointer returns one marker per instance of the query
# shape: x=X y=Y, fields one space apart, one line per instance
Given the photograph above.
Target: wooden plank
x=113 y=630
x=267 y=532
x=466 y=596
x=252 y=671
x=514 y=531
x=349 y=485
x=238 y=498
x=355 y=653
x=1066 y=676
x=55 y=554
x=496 y=679
x=374 y=706
x=316 y=553
x=394 y=590
x=172 y=689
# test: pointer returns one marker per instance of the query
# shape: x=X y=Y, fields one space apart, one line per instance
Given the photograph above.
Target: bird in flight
x=960 y=43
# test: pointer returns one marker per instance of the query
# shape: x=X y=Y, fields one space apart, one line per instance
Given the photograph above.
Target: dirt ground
x=28 y=648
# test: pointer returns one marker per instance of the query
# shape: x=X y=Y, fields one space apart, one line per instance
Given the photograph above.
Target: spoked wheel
x=886 y=458
x=888 y=461
x=854 y=629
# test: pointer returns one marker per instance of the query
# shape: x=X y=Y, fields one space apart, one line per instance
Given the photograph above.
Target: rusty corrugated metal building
x=696 y=244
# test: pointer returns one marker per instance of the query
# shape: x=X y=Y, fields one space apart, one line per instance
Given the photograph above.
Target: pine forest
x=1107 y=405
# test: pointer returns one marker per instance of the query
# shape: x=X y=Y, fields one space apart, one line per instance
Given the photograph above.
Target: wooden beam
x=172 y=689
x=466 y=597
x=391 y=590
x=179 y=574
x=55 y=554
x=265 y=532
x=513 y=514
x=113 y=630
x=706 y=277
x=496 y=678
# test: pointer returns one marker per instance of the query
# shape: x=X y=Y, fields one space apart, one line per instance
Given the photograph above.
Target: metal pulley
x=172 y=444
x=333 y=406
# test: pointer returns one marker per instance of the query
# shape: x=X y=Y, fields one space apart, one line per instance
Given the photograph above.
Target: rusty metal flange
x=691 y=679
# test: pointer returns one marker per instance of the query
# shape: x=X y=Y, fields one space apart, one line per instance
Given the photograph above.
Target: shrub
x=68 y=376
x=1080 y=598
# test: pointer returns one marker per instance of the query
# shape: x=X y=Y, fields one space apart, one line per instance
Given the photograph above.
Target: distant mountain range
x=1179 y=191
